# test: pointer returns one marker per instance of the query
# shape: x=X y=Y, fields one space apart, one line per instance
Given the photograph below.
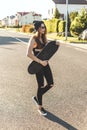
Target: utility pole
x=66 y=28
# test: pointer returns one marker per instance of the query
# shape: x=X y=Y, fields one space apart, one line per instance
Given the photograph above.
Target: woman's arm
x=30 y=52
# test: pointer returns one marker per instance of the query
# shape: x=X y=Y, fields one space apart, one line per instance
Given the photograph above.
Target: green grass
x=69 y=39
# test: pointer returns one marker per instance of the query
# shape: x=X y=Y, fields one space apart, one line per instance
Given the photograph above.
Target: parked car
x=83 y=35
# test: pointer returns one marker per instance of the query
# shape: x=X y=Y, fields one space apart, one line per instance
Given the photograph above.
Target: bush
x=31 y=29
x=61 y=28
x=52 y=25
x=28 y=28
x=79 y=23
x=77 y=27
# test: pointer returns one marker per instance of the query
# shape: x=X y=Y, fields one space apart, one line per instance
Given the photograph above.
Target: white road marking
x=21 y=41
x=26 y=43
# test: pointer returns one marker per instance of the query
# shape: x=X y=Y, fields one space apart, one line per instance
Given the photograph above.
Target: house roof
x=33 y=13
x=70 y=1
x=37 y=14
x=11 y=17
x=23 y=13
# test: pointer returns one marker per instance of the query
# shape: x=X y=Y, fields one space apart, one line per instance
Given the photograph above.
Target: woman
x=36 y=44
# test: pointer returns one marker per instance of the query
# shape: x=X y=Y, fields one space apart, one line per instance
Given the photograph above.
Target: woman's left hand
x=44 y=63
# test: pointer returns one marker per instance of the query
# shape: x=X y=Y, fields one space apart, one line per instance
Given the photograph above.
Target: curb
x=81 y=46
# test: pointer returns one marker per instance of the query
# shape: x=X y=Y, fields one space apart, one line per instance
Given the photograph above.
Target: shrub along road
x=66 y=103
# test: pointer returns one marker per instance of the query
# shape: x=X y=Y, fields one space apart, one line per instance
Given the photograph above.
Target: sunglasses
x=43 y=27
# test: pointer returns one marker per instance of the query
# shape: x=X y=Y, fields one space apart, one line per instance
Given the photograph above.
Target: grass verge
x=69 y=39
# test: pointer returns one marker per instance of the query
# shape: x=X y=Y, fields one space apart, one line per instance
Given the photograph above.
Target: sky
x=11 y=7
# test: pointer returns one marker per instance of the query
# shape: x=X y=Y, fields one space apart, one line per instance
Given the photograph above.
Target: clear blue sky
x=10 y=7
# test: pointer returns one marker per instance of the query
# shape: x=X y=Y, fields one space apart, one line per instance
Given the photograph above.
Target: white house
x=21 y=18
x=10 y=21
x=13 y=20
x=28 y=17
x=5 y=21
x=73 y=5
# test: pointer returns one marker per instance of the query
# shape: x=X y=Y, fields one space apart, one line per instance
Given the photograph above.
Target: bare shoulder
x=31 y=40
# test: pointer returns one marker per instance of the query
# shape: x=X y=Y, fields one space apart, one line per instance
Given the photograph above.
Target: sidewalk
x=82 y=46
x=79 y=45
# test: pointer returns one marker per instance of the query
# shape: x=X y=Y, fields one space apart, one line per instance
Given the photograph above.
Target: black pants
x=46 y=73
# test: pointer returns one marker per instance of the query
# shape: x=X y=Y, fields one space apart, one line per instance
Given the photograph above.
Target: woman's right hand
x=44 y=63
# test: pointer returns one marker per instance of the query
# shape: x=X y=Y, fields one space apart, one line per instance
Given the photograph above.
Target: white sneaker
x=42 y=111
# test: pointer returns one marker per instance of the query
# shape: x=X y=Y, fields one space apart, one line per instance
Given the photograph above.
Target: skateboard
x=47 y=52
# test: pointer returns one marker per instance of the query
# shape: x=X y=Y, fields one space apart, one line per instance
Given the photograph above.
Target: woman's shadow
x=56 y=119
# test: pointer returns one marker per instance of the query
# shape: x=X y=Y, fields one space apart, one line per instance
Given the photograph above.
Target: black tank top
x=40 y=45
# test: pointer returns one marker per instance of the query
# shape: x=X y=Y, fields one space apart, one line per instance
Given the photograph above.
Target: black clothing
x=46 y=73
x=39 y=46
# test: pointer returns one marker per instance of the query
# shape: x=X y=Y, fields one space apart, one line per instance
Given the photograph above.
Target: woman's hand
x=44 y=63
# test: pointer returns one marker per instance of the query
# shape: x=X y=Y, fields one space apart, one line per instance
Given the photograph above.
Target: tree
x=79 y=23
x=83 y=16
x=56 y=13
x=73 y=15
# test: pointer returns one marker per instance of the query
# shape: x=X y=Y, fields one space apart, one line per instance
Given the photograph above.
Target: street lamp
x=66 y=28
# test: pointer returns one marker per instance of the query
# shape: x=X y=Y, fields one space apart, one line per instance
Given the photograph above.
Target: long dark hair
x=37 y=35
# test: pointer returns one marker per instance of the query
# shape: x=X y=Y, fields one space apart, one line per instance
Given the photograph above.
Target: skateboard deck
x=47 y=52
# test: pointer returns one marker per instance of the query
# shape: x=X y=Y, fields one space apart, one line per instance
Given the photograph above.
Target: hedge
x=52 y=25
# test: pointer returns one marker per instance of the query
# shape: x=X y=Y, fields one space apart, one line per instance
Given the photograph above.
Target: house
x=27 y=17
x=12 y=20
x=21 y=18
x=9 y=21
x=73 y=5
x=5 y=21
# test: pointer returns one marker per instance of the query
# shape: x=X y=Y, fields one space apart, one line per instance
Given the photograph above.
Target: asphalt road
x=66 y=102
